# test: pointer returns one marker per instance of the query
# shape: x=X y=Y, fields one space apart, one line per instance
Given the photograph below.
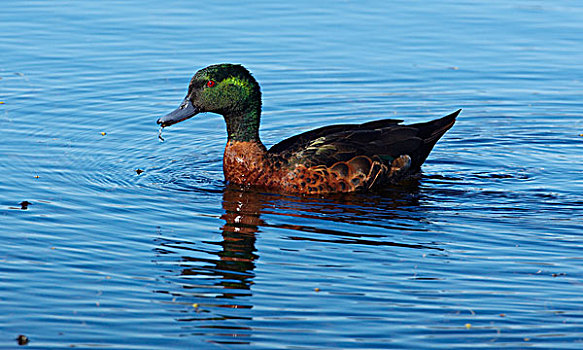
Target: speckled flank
x=249 y=164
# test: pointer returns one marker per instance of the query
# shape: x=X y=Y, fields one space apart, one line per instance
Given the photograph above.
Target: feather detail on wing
x=384 y=140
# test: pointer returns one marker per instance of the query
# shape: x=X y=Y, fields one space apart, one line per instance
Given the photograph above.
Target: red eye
x=211 y=83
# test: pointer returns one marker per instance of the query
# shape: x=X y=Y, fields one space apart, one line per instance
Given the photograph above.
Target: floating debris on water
x=196 y=307
x=22 y=339
x=23 y=206
x=139 y=171
x=160 y=134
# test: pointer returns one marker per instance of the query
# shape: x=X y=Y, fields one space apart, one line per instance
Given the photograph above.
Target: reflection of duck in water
x=228 y=272
x=232 y=269
x=217 y=276
x=216 y=283
x=337 y=158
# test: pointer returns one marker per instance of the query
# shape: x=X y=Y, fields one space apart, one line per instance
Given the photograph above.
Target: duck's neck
x=243 y=125
x=244 y=148
x=245 y=161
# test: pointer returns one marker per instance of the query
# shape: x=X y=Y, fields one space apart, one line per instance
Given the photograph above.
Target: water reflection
x=235 y=261
x=212 y=281
x=215 y=277
x=396 y=209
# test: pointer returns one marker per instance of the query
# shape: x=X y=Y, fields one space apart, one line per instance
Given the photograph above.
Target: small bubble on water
x=160 y=134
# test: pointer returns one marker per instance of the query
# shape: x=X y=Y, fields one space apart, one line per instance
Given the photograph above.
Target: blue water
x=483 y=251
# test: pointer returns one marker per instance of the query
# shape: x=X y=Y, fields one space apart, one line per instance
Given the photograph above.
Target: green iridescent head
x=226 y=89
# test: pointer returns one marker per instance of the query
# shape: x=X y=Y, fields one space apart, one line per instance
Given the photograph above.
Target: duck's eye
x=211 y=83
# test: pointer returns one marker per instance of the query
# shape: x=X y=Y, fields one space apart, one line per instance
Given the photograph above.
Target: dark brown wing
x=300 y=141
x=383 y=139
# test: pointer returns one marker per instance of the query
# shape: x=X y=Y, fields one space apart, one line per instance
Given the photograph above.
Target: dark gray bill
x=185 y=111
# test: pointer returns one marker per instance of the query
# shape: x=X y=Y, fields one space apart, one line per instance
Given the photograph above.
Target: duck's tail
x=430 y=133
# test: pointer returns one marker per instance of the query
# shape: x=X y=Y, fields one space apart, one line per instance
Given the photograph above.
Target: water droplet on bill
x=160 y=134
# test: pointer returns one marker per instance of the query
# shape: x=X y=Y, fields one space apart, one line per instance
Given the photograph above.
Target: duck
x=331 y=159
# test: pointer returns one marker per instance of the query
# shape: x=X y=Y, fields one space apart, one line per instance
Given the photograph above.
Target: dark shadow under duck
x=337 y=158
